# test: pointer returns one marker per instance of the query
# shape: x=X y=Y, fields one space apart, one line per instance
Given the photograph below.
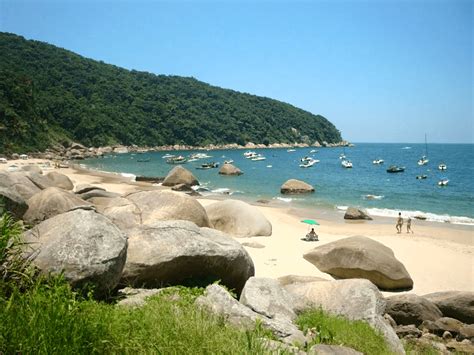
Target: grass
x=336 y=330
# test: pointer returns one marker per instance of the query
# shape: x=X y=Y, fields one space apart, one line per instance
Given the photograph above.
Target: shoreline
x=438 y=256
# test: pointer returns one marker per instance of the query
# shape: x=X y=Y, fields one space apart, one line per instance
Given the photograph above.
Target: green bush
x=334 y=330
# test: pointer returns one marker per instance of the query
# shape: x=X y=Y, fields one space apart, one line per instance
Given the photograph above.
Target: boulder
x=288 y=280
x=323 y=349
x=168 y=205
x=84 y=245
x=267 y=297
x=19 y=182
x=136 y=297
x=412 y=309
x=82 y=188
x=238 y=218
x=218 y=301
x=355 y=213
x=361 y=257
x=441 y=325
x=97 y=193
x=408 y=331
x=49 y=203
x=455 y=304
x=60 y=180
x=293 y=186
x=466 y=332
x=179 y=175
x=182 y=187
x=40 y=180
x=229 y=169
x=12 y=202
x=32 y=169
x=355 y=299
x=172 y=252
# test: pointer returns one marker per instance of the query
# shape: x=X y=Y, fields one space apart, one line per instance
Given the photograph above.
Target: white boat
x=192 y=159
x=309 y=163
x=167 y=156
x=313 y=151
x=346 y=164
x=442 y=166
x=424 y=159
x=443 y=182
x=306 y=159
x=177 y=160
x=249 y=154
x=228 y=161
x=291 y=150
x=378 y=161
x=258 y=157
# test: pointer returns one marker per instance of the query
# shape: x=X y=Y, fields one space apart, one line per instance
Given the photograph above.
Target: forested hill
x=49 y=94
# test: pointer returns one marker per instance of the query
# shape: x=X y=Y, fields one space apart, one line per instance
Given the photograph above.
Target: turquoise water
x=336 y=187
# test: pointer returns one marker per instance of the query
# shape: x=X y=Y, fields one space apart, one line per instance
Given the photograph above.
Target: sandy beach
x=438 y=256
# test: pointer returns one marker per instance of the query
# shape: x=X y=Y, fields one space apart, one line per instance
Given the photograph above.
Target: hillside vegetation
x=49 y=94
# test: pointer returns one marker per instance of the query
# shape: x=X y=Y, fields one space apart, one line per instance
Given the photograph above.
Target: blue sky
x=381 y=71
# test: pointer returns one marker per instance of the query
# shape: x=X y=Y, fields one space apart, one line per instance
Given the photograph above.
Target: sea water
x=366 y=185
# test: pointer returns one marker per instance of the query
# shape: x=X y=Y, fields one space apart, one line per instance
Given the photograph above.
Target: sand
x=439 y=257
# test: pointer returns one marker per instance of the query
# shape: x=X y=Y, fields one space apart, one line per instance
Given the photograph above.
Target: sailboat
x=424 y=159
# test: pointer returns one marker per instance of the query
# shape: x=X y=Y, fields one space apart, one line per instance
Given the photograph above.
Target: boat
x=378 y=161
x=395 y=169
x=306 y=159
x=258 y=157
x=442 y=166
x=309 y=163
x=291 y=150
x=313 y=151
x=421 y=177
x=177 y=160
x=192 y=159
x=143 y=160
x=228 y=161
x=200 y=156
x=210 y=165
x=443 y=182
x=342 y=156
x=346 y=164
x=424 y=159
x=166 y=156
x=249 y=154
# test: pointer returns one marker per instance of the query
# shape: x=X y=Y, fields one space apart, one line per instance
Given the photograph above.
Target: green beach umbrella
x=310 y=222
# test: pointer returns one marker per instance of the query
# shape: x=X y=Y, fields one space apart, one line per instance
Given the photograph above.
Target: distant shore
x=438 y=256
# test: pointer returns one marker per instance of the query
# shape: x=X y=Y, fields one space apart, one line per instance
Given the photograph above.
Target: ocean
x=365 y=185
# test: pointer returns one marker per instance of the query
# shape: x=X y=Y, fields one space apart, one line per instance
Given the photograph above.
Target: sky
x=380 y=70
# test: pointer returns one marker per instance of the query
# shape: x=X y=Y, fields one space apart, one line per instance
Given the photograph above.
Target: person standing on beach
x=409 y=225
x=399 y=223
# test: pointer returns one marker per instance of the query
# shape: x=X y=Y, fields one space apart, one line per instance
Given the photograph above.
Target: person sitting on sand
x=409 y=225
x=399 y=223
x=312 y=236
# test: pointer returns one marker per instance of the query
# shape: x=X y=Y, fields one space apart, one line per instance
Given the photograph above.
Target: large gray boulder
x=454 y=304
x=84 y=245
x=229 y=169
x=51 y=202
x=60 y=180
x=294 y=186
x=168 y=205
x=12 y=202
x=172 y=252
x=412 y=309
x=218 y=301
x=355 y=299
x=32 y=169
x=121 y=211
x=361 y=257
x=355 y=213
x=238 y=218
x=179 y=175
x=19 y=182
x=266 y=296
x=97 y=193
x=40 y=180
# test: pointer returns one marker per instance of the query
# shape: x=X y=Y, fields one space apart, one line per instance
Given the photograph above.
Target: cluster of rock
x=146 y=238
x=443 y=320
